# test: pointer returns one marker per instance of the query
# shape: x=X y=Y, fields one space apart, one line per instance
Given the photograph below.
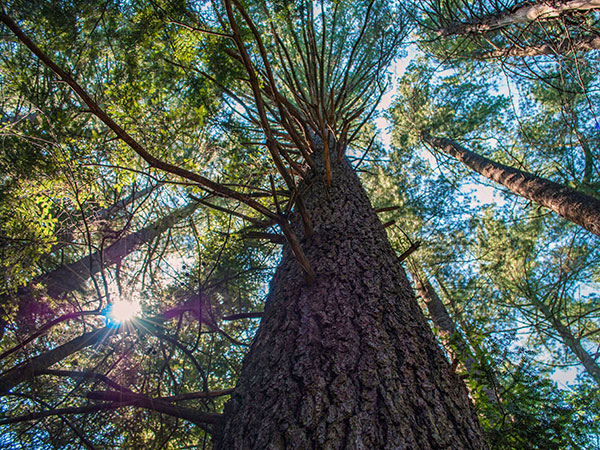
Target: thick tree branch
x=414 y=246
x=157 y=405
x=386 y=209
x=85 y=375
x=249 y=315
x=197 y=395
x=272 y=237
x=121 y=133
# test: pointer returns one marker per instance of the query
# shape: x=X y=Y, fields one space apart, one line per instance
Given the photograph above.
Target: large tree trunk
x=348 y=360
x=575 y=206
x=523 y=13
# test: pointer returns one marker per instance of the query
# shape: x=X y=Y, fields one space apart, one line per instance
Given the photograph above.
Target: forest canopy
x=208 y=209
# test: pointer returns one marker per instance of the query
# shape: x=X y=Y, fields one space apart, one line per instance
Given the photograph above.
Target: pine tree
x=343 y=356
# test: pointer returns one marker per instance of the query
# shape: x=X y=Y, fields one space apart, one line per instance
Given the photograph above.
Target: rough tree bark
x=575 y=206
x=347 y=361
x=521 y=13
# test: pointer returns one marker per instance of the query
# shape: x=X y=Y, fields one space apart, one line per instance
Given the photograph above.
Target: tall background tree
x=491 y=90
x=158 y=154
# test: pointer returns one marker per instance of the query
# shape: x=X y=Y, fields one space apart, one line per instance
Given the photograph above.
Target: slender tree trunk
x=65 y=236
x=347 y=361
x=29 y=369
x=524 y=13
x=71 y=277
x=110 y=211
x=583 y=142
x=457 y=314
x=38 y=364
x=582 y=43
x=453 y=341
x=575 y=206
x=572 y=343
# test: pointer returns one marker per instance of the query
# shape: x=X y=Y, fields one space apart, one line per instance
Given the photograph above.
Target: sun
x=124 y=310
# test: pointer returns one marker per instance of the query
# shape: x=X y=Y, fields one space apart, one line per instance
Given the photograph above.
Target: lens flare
x=124 y=310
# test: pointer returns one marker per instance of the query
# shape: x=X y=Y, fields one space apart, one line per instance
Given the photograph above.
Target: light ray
x=124 y=310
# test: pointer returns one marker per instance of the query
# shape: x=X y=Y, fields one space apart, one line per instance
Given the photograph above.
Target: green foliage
x=535 y=414
x=495 y=259
x=174 y=87
x=460 y=102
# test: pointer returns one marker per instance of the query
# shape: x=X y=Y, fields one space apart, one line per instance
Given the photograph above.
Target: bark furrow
x=347 y=361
